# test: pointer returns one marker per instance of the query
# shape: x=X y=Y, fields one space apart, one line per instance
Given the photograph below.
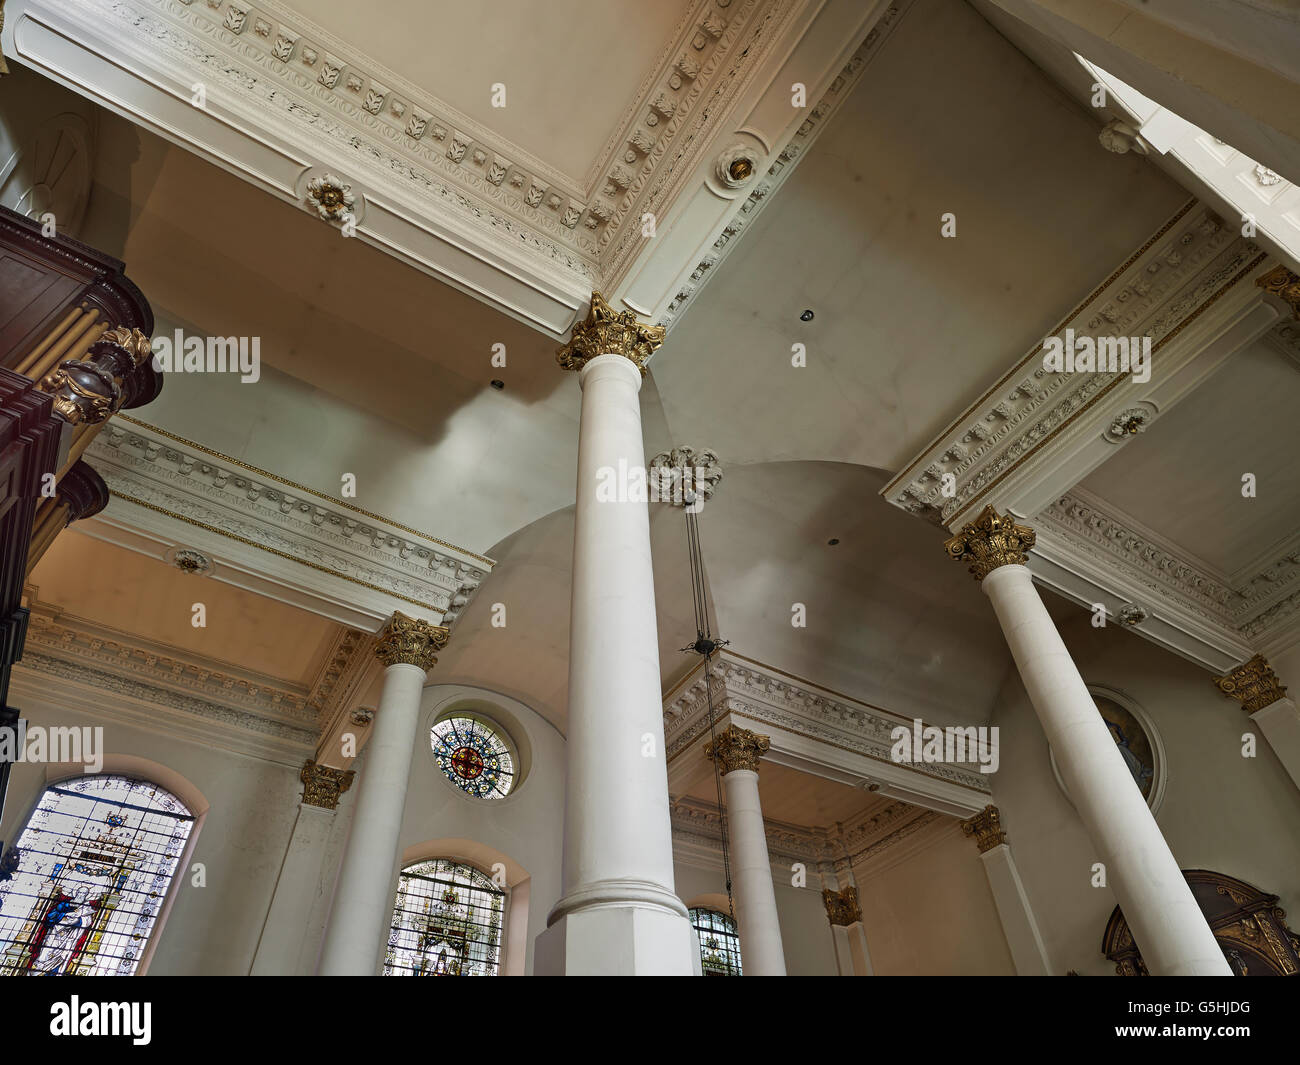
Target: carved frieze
x=200 y=487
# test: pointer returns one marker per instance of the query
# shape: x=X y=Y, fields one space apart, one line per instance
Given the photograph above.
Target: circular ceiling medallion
x=187 y=560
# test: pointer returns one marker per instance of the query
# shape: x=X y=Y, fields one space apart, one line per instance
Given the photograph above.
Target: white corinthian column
x=362 y=911
x=619 y=914
x=737 y=752
x=1168 y=926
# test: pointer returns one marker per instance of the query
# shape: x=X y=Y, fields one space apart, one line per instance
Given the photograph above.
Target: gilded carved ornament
x=842 y=907
x=1282 y=282
x=990 y=541
x=737 y=748
x=985 y=828
x=1253 y=684
x=610 y=332
x=411 y=641
x=322 y=785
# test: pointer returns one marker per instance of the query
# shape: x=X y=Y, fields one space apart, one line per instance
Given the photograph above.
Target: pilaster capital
x=610 y=332
x=989 y=541
x=1282 y=283
x=1253 y=684
x=842 y=907
x=737 y=748
x=986 y=828
x=322 y=785
x=412 y=641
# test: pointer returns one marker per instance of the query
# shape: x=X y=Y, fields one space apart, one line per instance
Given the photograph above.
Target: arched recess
x=496 y=864
x=153 y=773
x=1248 y=923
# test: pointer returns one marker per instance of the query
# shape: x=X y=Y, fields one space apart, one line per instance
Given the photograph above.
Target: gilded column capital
x=737 y=748
x=412 y=641
x=842 y=906
x=990 y=541
x=986 y=828
x=610 y=332
x=1282 y=282
x=1253 y=684
x=322 y=785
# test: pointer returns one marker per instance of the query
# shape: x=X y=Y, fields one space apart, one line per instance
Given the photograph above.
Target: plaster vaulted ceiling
x=909 y=327
x=571 y=68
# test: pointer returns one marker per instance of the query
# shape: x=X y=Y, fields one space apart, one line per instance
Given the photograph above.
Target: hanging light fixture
x=706 y=645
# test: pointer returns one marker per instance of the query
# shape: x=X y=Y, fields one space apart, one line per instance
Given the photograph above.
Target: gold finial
x=842 y=906
x=322 y=784
x=133 y=341
x=412 y=641
x=986 y=828
x=737 y=748
x=610 y=332
x=1282 y=282
x=991 y=541
x=1253 y=684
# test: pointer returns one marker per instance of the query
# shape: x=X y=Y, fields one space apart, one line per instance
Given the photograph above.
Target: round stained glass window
x=474 y=757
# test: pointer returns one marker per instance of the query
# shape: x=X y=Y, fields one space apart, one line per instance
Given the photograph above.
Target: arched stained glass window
x=96 y=860
x=473 y=756
x=719 y=942
x=447 y=922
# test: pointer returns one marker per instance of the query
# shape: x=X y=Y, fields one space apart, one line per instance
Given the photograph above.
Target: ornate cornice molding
x=1253 y=684
x=737 y=748
x=1181 y=271
x=195 y=485
x=985 y=828
x=323 y=785
x=606 y=331
x=412 y=641
x=766 y=696
x=145 y=701
x=842 y=906
x=702 y=821
x=65 y=644
x=990 y=541
x=1254 y=607
x=843 y=847
x=303 y=82
x=786 y=160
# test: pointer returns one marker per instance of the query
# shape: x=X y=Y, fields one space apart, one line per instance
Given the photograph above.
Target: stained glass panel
x=447 y=922
x=719 y=942
x=97 y=857
x=473 y=757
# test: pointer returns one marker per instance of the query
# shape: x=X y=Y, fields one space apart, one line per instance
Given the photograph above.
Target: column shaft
x=1167 y=923
x=751 y=877
x=363 y=898
x=619 y=913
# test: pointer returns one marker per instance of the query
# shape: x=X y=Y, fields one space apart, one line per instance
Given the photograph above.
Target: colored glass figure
x=97 y=858
x=473 y=757
x=447 y=922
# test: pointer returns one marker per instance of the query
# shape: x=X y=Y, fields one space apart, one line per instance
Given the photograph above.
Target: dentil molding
x=1001 y=447
x=268 y=533
x=815 y=730
x=851 y=845
x=73 y=663
x=285 y=102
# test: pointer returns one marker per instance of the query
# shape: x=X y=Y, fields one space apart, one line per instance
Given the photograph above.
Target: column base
x=618 y=940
